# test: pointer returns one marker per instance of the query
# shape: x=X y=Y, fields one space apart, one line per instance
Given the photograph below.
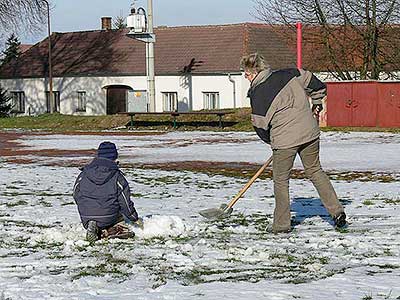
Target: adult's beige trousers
x=283 y=160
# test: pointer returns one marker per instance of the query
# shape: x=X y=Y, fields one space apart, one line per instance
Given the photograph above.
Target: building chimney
x=106 y=23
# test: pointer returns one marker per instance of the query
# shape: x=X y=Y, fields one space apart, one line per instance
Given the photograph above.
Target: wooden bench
x=175 y=114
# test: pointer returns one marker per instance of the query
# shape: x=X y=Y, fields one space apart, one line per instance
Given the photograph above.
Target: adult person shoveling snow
x=282 y=117
x=103 y=197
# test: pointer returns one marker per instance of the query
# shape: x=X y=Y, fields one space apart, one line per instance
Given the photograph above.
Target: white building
x=103 y=71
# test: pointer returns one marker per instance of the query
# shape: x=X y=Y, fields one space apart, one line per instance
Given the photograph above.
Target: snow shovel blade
x=217 y=213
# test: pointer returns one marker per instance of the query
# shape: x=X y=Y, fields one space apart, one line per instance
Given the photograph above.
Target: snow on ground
x=180 y=255
x=340 y=150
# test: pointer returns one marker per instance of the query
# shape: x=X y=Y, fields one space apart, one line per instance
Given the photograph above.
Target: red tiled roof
x=214 y=48
x=24 y=47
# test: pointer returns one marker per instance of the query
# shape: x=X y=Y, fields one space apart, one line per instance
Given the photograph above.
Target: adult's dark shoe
x=340 y=220
x=92 y=232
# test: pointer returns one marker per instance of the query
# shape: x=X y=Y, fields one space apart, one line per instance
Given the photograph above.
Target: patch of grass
x=208 y=275
x=363 y=176
x=392 y=201
x=387 y=252
x=283 y=257
x=99 y=270
x=14 y=194
x=58 y=122
x=46 y=245
x=116 y=267
x=58 y=256
x=45 y=204
x=137 y=195
x=168 y=179
x=207 y=185
x=367 y=297
x=388 y=266
x=41 y=194
x=26 y=224
x=344 y=230
x=182 y=239
x=58 y=270
x=46 y=194
x=368 y=202
x=154 y=241
x=18 y=203
x=13 y=187
x=297 y=281
x=247 y=170
x=240 y=219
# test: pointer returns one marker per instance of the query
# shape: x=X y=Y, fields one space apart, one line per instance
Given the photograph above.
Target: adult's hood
x=100 y=170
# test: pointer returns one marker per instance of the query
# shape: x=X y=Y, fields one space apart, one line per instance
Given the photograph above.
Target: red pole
x=299 y=45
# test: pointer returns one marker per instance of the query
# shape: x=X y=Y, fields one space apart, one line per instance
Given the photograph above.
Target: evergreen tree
x=12 y=49
x=5 y=103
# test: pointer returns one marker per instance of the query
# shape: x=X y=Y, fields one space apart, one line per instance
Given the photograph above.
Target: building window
x=211 y=100
x=18 y=102
x=56 y=97
x=170 y=101
x=81 y=101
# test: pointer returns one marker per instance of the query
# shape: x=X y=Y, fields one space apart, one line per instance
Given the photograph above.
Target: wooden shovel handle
x=248 y=184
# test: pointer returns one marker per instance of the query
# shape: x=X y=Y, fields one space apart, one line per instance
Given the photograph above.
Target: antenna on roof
x=133 y=4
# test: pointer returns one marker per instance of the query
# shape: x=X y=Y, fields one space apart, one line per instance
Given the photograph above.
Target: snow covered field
x=180 y=255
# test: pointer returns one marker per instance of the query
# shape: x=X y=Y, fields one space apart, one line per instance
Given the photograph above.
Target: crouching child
x=102 y=195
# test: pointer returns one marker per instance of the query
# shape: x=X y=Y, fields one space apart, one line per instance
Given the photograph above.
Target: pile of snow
x=59 y=235
x=70 y=236
x=161 y=226
x=154 y=226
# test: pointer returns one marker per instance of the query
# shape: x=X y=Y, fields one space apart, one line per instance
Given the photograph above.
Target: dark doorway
x=116 y=99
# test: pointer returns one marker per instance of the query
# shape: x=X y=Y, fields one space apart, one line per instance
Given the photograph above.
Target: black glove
x=317 y=108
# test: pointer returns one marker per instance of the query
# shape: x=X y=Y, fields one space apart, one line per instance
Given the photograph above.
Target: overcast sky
x=76 y=15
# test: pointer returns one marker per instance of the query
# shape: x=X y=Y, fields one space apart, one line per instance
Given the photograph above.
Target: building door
x=116 y=99
x=364 y=104
x=352 y=103
x=389 y=104
x=339 y=104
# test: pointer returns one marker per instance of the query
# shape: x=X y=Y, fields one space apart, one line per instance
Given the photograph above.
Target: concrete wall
x=95 y=87
x=189 y=88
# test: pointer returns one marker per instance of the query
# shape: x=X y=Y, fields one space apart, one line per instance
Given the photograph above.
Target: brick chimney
x=106 y=23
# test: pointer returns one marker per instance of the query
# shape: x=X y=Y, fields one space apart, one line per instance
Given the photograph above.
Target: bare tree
x=357 y=39
x=22 y=15
x=119 y=22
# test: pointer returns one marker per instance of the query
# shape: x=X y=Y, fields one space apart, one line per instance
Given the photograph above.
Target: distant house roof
x=211 y=49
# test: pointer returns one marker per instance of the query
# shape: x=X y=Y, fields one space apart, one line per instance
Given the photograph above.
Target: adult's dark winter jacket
x=103 y=194
x=281 y=113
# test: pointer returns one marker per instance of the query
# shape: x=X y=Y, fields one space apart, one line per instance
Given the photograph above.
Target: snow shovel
x=225 y=210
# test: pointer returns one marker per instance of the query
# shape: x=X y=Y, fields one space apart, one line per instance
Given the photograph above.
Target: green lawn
x=238 y=121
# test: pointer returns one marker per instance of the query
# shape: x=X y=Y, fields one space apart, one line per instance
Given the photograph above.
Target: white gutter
x=234 y=89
